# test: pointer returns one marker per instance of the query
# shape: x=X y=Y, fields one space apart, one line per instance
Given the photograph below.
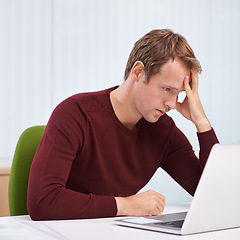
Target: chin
x=152 y=119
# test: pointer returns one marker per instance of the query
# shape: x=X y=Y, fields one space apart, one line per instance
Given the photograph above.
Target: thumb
x=178 y=106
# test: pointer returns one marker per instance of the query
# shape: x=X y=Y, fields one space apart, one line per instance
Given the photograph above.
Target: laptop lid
x=215 y=205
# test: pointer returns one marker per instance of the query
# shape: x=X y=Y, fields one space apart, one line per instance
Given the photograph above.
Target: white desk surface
x=22 y=227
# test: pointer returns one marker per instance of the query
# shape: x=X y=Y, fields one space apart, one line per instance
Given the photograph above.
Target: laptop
x=216 y=202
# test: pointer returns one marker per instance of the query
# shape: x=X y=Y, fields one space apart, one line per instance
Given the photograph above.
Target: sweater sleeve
x=48 y=196
x=182 y=164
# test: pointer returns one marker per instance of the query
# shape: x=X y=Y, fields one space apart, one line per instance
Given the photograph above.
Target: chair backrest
x=19 y=174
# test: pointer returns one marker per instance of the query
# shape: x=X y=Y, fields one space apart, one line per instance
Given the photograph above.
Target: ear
x=138 y=70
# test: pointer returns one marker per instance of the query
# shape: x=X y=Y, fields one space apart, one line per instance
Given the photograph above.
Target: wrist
x=203 y=126
x=120 y=206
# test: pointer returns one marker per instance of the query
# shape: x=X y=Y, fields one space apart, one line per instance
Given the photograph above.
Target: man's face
x=160 y=94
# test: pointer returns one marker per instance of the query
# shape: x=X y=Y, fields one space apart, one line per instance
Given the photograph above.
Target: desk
x=22 y=227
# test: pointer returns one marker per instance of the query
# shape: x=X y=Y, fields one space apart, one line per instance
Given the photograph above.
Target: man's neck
x=123 y=105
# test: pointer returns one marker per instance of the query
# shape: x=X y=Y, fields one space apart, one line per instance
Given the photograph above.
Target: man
x=99 y=149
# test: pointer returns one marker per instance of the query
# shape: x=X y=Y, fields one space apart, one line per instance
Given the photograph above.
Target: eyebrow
x=179 y=90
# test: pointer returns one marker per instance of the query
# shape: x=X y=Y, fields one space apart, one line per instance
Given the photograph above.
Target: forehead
x=172 y=74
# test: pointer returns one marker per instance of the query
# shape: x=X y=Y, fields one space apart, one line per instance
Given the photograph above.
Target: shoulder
x=85 y=102
x=75 y=109
x=91 y=101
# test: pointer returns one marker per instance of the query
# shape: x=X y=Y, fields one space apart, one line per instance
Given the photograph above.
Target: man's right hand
x=143 y=204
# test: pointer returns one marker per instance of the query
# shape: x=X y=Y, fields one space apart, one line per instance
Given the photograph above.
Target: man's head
x=156 y=48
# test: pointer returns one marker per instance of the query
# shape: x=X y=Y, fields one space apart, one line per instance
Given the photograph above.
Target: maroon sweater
x=87 y=156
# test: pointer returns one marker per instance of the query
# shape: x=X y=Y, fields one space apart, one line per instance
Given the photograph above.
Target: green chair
x=22 y=160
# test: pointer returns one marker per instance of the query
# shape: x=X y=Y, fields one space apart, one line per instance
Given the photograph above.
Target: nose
x=170 y=104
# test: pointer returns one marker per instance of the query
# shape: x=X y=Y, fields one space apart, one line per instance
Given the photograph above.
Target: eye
x=167 y=89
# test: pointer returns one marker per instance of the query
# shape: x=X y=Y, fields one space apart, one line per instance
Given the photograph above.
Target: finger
x=161 y=206
x=195 y=78
x=187 y=86
x=178 y=106
x=160 y=197
x=159 y=200
x=161 y=203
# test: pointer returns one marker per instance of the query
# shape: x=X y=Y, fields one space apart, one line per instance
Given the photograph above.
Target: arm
x=181 y=164
x=49 y=197
x=188 y=173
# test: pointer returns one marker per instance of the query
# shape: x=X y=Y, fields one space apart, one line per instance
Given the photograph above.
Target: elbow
x=38 y=208
x=39 y=212
x=35 y=211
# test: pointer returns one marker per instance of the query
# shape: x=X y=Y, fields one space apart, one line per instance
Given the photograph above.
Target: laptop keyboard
x=176 y=224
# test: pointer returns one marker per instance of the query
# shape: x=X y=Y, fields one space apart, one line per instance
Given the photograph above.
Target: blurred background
x=52 y=49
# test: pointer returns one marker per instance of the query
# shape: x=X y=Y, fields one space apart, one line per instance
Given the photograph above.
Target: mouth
x=160 y=111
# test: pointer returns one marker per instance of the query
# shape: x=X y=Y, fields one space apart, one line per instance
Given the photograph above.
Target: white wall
x=51 y=49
